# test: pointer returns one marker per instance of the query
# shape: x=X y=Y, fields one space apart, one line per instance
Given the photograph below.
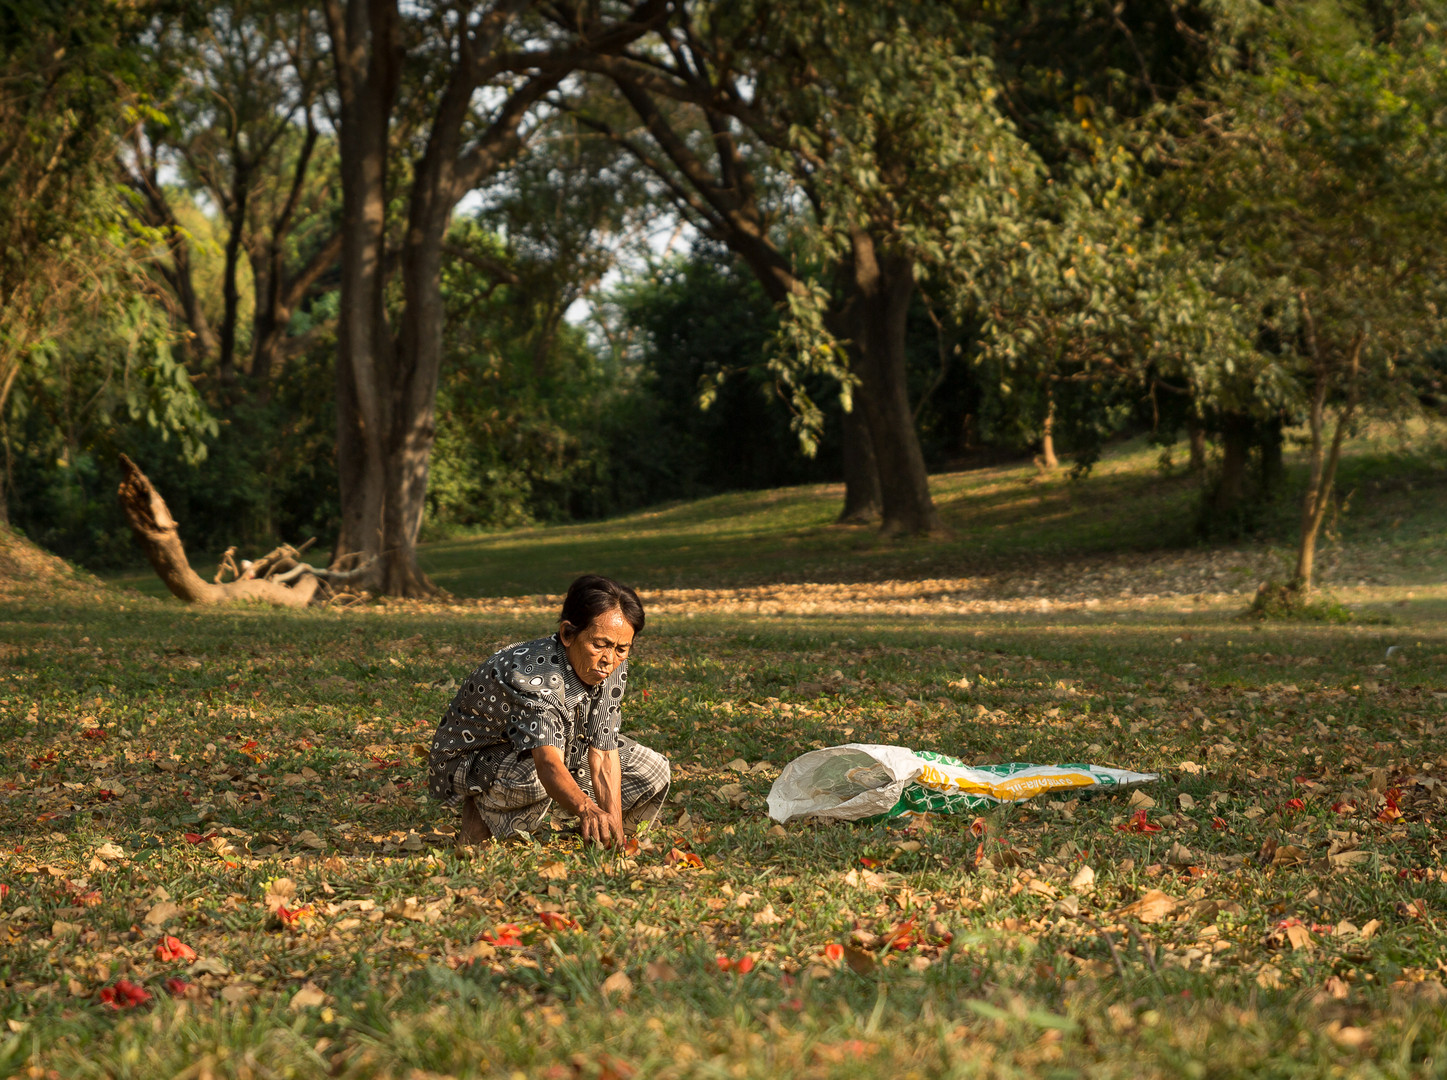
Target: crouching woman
x=534 y=730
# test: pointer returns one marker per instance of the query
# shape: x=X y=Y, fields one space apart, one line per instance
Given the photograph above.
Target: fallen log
x=160 y=537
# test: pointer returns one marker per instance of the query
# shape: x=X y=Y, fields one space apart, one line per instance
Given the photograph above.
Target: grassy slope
x=999 y=517
x=209 y=719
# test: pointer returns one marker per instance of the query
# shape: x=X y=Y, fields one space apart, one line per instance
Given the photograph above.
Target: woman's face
x=597 y=650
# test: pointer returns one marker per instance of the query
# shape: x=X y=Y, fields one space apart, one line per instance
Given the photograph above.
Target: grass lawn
x=171 y=773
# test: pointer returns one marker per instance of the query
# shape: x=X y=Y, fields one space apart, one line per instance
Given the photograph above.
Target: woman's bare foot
x=474 y=829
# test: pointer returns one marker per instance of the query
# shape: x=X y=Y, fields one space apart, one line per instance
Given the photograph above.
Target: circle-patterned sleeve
x=607 y=714
x=531 y=699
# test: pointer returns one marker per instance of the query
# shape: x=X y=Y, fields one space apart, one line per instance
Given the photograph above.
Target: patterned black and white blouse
x=524 y=697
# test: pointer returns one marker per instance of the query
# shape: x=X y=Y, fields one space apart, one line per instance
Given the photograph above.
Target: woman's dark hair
x=593 y=595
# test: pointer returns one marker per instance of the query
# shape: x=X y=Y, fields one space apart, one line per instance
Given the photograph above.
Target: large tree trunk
x=882 y=285
x=862 y=499
x=157 y=531
x=1231 y=491
x=366 y=57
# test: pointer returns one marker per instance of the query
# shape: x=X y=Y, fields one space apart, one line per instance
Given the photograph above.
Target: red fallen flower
x=903 y=936
x=1294 y=804
x=1218 y=823
x=1138 y=824
x=507 y=936
x=93 y=733
x=124 y=995
x=743 y=965
x=197 y=838
x=177 y=987
x=1391 y=812
x=384 y=763
x=675 y=857
x=170 y=948
x=1419 y=873
x=43 y=760
x=834 y=951
x=290 y=917
x=631 y=846
x=555 y=921
x=978 y=828
x=1345 y=807
x=249 y=745
x=870 y=863
x=105 y=794
x=4 y=891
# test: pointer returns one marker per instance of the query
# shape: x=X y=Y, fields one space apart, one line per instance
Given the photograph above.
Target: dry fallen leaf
x=1288 y=855
x=733 y=794
x=162 y=913
x=618 y=985
x=1083 y=881
x=308 y=997
x=1139 y=800
x=1150 y=908
x=859 y=961
x=1179 y=855
x=279 y=893
x=554 y=871
x=1041 y=887
x=1299 y=936
x=767 y=917
x=110 y=852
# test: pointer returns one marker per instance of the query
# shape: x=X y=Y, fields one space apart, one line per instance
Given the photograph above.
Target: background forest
x=378 y=273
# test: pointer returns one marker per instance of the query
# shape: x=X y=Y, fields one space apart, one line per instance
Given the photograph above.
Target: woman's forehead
x=612 y=624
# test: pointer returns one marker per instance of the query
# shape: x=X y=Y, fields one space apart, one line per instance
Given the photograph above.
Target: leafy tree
x=880 y=128
x=235 y=121
x=451 y=89
x=1320 y=174
x=72 y=333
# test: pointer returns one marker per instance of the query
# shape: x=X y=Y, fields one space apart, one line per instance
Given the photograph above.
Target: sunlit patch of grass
x=294 y=737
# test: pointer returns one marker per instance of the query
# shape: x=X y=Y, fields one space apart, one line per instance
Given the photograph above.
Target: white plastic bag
x=864 y=780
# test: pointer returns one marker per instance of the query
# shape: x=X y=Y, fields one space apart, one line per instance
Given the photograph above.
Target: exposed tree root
x=280 y=577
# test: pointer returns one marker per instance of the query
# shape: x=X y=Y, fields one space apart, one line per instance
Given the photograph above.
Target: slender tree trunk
x=1047 y=432
x=230 y=292
x=1322 y=478
x=1196 y=435
x=883 y=286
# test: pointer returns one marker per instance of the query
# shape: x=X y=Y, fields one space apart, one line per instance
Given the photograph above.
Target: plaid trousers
x=518 y=802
